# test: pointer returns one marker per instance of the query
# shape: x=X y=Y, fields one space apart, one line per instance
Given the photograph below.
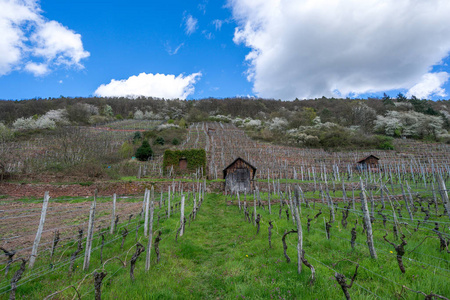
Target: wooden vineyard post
x=254 y=209
x=168 y=205
x=369 y=234
x=434 y=197
x=37 y=239
x=297 y=209
x=150 y=237
x=291 y=206
x=182 y=216
x=146 y=196
x=406 y=203
x=90 y=233
x=113 y=215
x=444 y=195
x=239 y=201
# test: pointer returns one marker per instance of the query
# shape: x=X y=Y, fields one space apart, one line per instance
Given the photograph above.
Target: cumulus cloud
x=431 y=84
x=314 y=48
x=37 y=69
x=32 y=43
x=151 y=85
x=190 y=24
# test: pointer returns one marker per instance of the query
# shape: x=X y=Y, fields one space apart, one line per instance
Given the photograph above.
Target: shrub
x=137 y=136
x=144 y=152
x=384 y=142
x=175 y=141
x=6 y=134
x=159 y=141
x=149 y=134
x=138 y=115
x=126 y=150
x=119 y=117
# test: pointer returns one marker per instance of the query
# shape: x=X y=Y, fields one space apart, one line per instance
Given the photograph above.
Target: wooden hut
x=370 y=161
x=239 y=176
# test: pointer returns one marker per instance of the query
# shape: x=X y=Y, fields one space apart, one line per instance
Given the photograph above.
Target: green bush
x=384 y=142
x=144 y=152
x=119 y=117
x=196 y=158
x=137 y=137
x=175 y=141
x=149 y=134
x=159 y=141
x=126 y=150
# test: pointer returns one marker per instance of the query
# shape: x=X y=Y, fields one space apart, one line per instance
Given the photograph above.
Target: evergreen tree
x=144 y=152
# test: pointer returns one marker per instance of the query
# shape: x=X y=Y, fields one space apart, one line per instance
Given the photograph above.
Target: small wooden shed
x=370 y=161
x=239 y=176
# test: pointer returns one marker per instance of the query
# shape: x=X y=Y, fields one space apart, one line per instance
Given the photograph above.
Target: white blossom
x=277 y=124
x=138 y=115
x=45 y=123
x=409 y=124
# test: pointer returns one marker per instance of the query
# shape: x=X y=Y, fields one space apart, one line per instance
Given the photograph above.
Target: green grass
x=221 y=257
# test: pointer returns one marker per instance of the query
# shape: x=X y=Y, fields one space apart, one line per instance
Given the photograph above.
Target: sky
x=280 y=49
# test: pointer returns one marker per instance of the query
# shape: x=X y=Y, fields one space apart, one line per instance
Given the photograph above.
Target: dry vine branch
x=124 y=235
x=79 y=248
x=55 y=242
x=306 y=263
x=10 y=255
x=156 y=245
x=343 y=282
x=399 y=249
x=68 y=287
x=98 y=278
x=353 y=232
x=427 y=297
x=139 y=249
x=258 y=219
x=283 y=239
x=270 y=234
x=16 y=278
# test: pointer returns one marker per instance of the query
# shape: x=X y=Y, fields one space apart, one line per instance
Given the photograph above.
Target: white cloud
x=38 y=69
x=174 y=51
x=151 y=85
x=218 y=24
x=208 y=35
x=26 y=36
x=190 y=24
x=54 y=42
x=314 y=48
x=431 y=84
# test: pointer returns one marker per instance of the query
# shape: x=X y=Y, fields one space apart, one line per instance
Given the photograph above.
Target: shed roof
x=364 y=159
x=234 y=161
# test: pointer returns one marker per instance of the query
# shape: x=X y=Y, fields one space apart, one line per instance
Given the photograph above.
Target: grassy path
x=219 y=257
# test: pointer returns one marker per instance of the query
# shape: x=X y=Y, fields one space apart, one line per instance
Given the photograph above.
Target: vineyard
x=315 y=227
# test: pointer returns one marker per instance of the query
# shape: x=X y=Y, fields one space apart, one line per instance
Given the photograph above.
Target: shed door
x=183 y=164
x=243 y=179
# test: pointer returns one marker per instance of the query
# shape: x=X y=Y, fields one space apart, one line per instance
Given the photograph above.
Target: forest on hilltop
x=324 y=122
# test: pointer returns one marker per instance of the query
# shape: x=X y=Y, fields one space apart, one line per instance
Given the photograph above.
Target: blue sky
x=273 y=49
